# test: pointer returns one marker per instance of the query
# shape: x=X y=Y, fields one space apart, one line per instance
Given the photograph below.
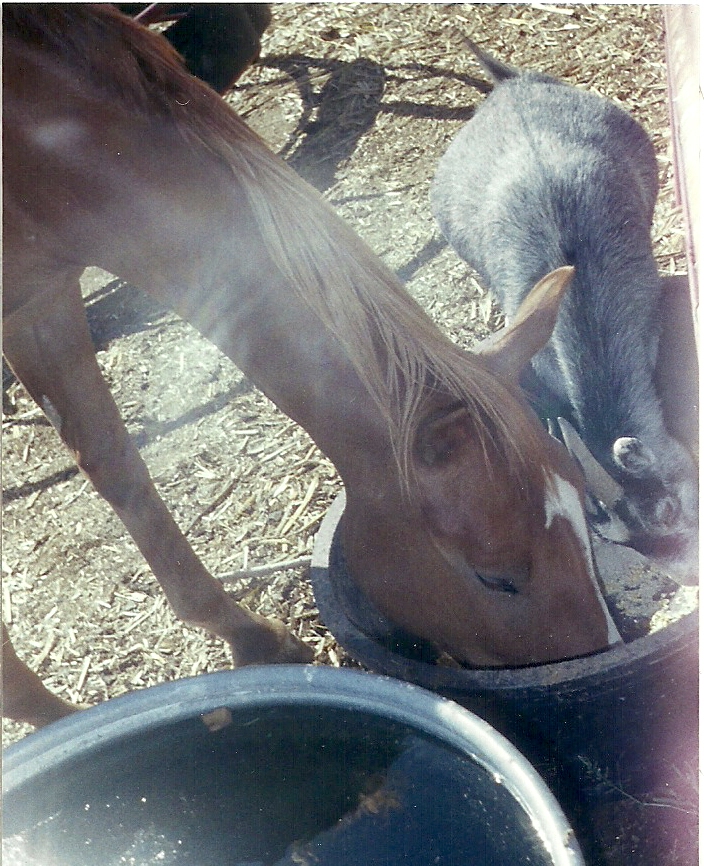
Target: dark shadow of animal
x=334 y=119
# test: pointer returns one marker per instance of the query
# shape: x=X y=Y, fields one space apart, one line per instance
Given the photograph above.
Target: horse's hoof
x=271 y=644
x=294 y=651
x=58 y=710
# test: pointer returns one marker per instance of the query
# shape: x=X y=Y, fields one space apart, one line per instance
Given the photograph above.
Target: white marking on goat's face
x=562 y=500
x=51 y=414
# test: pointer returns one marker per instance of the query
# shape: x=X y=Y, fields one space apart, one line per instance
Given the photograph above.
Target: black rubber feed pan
x=620 y=722
x=278 y=765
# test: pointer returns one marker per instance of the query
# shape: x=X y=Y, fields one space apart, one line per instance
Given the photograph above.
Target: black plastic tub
x=620 y=723
x=278 y=765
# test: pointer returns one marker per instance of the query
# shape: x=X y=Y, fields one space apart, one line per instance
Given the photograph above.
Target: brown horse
x=464 y=521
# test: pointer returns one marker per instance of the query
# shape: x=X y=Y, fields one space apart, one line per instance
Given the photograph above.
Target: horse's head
x=494 y=562
x=520 y=545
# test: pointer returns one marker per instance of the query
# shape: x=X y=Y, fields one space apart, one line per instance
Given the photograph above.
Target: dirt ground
x=362 y=100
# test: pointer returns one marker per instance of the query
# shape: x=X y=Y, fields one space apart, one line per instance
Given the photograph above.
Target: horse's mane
x=396 y=350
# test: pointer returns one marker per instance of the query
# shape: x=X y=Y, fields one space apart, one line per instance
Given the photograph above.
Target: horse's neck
x=300 y=365
x=183 y=235
x=142 y=196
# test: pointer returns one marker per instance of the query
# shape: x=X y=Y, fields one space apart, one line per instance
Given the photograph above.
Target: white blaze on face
x=562 y=500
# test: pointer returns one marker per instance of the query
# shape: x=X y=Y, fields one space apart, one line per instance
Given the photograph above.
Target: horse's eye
x=498 y=584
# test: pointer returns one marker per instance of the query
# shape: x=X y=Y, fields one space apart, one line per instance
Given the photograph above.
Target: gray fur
x=546 y=175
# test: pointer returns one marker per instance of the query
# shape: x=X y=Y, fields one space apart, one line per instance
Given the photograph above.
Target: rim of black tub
x=166 y=705
x=338 y=601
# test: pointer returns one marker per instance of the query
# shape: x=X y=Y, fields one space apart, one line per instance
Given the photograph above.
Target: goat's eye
x=498 y=584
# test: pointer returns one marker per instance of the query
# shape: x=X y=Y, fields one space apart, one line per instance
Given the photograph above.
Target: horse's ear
x=509 y=350
x=443 y=438
x=447 y=450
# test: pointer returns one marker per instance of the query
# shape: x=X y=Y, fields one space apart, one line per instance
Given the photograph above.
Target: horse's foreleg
x=55 y=360
x=24 y=697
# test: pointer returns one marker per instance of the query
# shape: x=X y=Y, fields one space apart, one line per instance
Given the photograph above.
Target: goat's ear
x=509 y=350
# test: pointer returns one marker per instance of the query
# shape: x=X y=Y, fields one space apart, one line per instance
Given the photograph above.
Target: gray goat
x=546 y=175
